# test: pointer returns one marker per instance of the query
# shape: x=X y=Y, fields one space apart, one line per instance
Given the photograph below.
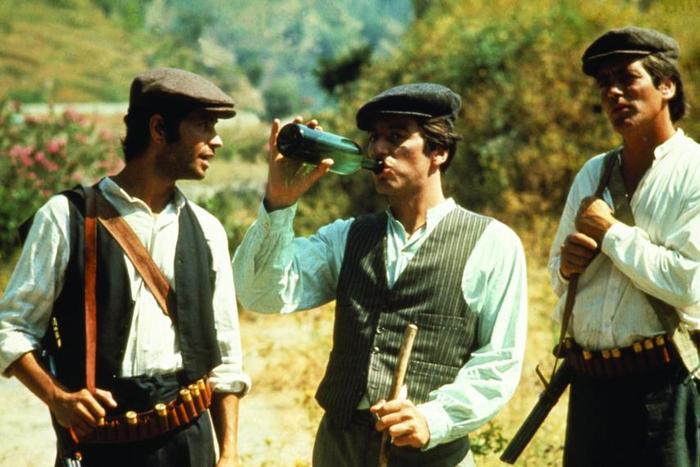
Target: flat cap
x=174 y=87
x=416 y=99
x=630 y=41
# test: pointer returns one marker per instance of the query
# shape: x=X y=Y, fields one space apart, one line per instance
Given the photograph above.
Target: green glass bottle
x=310 y=146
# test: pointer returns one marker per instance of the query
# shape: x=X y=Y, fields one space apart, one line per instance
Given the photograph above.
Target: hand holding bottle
x=287 y=180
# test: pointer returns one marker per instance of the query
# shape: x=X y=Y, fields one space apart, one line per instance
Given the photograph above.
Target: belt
x=644 y=356
x=192 y=401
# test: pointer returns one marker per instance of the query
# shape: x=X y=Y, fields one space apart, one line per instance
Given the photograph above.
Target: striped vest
x=370 y=318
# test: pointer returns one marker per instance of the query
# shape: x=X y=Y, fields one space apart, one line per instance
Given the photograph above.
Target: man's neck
x=638 y=151
x=141 y=182
x=413 y=212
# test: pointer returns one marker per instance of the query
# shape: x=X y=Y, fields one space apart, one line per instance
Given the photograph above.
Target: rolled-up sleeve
x=277 y=272
x=229 y=375
x=26 y=304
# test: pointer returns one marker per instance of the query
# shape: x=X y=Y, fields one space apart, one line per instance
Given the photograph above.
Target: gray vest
x=370 y=318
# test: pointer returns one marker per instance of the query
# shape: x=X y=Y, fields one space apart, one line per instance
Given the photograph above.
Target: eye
x=396 y=137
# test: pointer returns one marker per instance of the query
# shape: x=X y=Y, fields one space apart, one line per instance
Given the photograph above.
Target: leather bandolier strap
x=192 y=402
x=194 y=399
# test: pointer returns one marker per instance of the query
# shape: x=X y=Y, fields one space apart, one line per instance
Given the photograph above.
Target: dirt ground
x=277 y=419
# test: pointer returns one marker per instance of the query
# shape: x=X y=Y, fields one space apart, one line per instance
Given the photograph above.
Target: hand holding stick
x=399 y=375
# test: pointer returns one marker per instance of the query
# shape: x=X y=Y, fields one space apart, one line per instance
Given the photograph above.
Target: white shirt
x=659 y=256
x=276 y=272
x=152 y=346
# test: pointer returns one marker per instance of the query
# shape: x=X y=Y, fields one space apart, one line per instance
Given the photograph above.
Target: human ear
x=156 y=128
x=668 y=89
x=439 y=156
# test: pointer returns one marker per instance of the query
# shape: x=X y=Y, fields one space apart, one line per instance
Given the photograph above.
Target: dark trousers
x=188 y=446
x=357 y=445
x=651 y=420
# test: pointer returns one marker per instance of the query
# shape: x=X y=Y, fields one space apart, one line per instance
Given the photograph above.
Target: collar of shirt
x=128 y=205
x=668 y=146
x=400 y=248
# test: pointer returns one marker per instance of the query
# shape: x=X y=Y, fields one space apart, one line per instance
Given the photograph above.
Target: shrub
x=40 y=156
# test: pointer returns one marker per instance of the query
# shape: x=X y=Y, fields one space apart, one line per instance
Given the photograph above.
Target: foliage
x=66 y=52
x=530 y=117
x=345 y=68
x=40 y=156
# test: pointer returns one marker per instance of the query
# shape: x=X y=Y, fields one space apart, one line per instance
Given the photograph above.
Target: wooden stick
x=399 y=374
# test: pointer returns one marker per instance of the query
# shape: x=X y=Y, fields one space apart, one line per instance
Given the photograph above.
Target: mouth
x=621 y=110
x=206 y=160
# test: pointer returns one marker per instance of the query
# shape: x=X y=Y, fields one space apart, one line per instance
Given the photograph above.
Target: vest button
x=375 y=349
x=380 y=329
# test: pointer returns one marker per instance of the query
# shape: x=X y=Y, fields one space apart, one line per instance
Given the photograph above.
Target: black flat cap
x=629 y=41
x=418 y=99
x=169 y=87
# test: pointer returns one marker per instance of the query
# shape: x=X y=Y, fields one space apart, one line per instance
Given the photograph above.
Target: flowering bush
x=40 y=156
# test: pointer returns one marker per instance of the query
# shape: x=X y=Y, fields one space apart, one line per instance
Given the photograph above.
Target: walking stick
x=399 y=374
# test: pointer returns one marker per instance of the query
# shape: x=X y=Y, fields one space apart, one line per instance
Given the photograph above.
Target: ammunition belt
x=192 y=402
x=645 y=356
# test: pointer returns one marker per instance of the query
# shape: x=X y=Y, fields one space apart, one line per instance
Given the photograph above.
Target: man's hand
x=577 y=252
x=594 y=218
x=80 y=410
x=286 y=179
x=404 y=423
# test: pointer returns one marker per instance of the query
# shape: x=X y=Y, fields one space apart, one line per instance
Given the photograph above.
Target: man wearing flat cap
x=121 y=314
x=630 y=236
x=457 y=275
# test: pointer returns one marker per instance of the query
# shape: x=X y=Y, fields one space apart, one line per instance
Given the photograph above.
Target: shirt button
x=375 y=349
x=380 y=329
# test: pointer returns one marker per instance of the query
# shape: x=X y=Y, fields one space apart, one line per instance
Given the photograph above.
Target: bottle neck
x=373 y=165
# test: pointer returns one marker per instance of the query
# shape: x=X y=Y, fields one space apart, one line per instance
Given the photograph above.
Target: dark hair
x=439 y=133
x=660 y=69
x=138 y=135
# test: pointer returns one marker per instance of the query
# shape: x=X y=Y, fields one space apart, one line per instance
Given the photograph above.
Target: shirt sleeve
x=277 y=272
x=229 y=375
x=495 y=286
x=668 y=269
x=26 y=304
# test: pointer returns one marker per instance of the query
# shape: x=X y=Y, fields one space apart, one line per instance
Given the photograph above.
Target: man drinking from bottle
x=457 y=275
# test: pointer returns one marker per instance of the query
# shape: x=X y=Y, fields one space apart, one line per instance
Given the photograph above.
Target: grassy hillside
x=65 y=51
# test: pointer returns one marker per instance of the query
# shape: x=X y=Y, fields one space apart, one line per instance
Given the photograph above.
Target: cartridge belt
x=192 y=402
x=644 y=356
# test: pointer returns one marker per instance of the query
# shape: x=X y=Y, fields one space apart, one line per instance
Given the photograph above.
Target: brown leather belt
x=645 y=356
x=192 y=402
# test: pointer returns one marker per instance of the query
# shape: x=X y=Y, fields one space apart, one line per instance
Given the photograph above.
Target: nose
x=379 y=148
x=216 y=142
x=612 y=91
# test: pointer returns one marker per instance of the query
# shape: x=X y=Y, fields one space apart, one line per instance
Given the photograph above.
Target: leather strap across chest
x=98 y=209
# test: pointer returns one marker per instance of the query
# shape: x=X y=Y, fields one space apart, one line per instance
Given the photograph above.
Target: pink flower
x=18 y=151
x=72 y=115
x=106 y=135
x=26 y=159
x=55 y=145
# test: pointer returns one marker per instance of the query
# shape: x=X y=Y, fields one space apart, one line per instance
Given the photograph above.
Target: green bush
x=40 y=156
x=529 y=118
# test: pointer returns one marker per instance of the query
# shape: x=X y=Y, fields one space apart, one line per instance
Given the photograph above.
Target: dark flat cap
x=629 y=41
x=175 y=87
x=417 y=99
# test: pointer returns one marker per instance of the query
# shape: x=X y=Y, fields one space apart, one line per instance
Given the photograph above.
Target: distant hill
x=265 y=53
x=66 y=51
